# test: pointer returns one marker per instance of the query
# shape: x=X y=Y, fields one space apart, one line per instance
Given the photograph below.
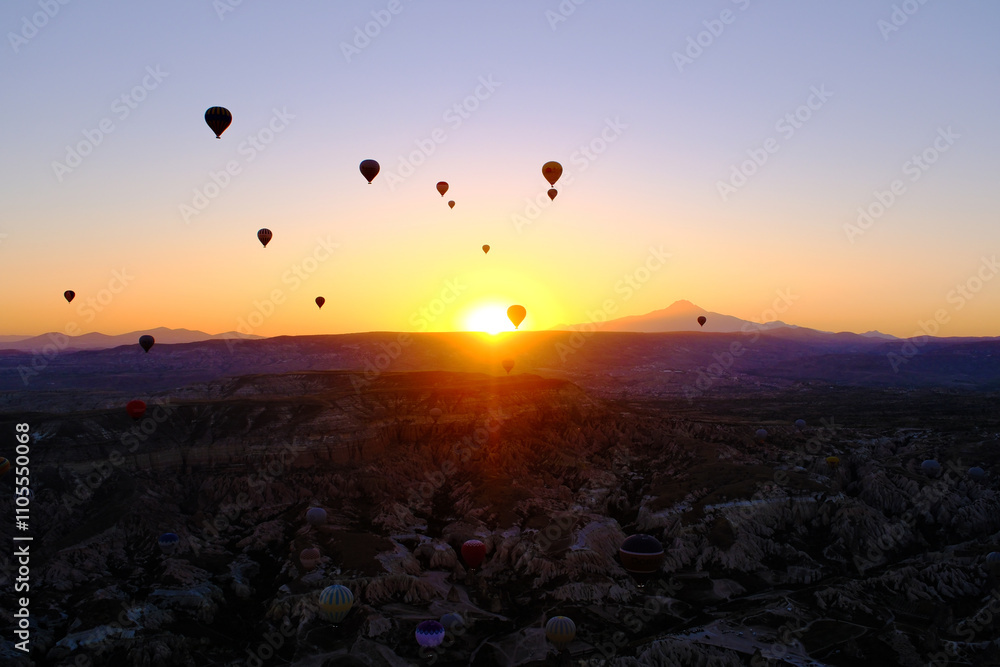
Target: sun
x=490 y=317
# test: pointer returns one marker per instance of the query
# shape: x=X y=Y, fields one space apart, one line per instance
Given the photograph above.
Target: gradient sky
x=678 y=129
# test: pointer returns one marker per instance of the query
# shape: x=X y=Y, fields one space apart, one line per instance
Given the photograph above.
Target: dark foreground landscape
x=775 y=553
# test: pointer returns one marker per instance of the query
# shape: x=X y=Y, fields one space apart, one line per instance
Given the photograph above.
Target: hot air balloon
x=552 y=193
x=316 y=516
x=486 y=249
x=451 y=621
x=4 y=466
x=993 y=560
x=435 y=414
x=218 y=118
x=335 y=602
x=69 y=295
x=146 y=342
x=508 y=365
x=976 y=472
x=264 y=236
x=833 y=461
x=931 y=467
x=430 y=634
x=552 y=171
x=560 y=630
x=761 y=435
x=369 y=169
x=168 y=542
x=641 y=555
x=516 y=315
x=473 y=553
x=442 y=187
x=451 y=204
x=135 y=409
x=320 y=301
x=701 y=320
x=800 y=424
x=310 y=558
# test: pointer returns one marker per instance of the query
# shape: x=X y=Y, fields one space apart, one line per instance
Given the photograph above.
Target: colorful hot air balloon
x=310 y=558
x=508 y=365
x=975 y=472
x=335 y=602
x=218 y=118
x=516 y=315
x=760 y=434
x=4 y=466
x=69 y=295
x=473 y=553
x=442 y=187
x=369 y=169
x=833 y=461
x=552 y=193
x=451 y=204
x=486 y=249
x=264 y=236
x=800 y=424
x=168 y=542
x=641 y=555
x=135 y=409
x=316 y=516
x=701 y=320
x=146 y=342
x=430 y=634
x=560 y=630
x=552 y=171
x=320 y=301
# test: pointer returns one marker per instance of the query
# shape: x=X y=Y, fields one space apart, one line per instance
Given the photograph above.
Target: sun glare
x=491 y=318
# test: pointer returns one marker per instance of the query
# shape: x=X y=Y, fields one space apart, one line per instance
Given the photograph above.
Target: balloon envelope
x=641 y=554
x=486 y=249
x=451 y=621
x=832 y=461
x=800 y=424
x=218 y=118
x=552 y=171
x=976 y=472
x=320 y=301
x=560 y=630
x=552 y=193
x=369 y=169
x=264 y=236
x=442 y=187
x=316 y=516
x=516 y=315
x=430 y=633
x=310 y=558
x=69 y=295
x=508 y=365
x=702 y=320
x=761 y=434
x=168 y=542
x=146 y=342
x=451 y=204
x=335 y=601
x=135 y=409
x=931 y=467
x=473 y=552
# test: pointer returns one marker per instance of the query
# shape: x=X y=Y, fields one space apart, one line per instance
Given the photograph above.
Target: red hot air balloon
x=473 y=552
x=146 y=342
x=135 y=409
x=369 y=169
x=310 y=558
x=516 y=315
x=264 y=236
x=701 y=320
x=320 y=301
x=486 y=249
x=552 y=171
x=451 y=204
x=552 y=193
x=442 y=187
x=641 y=555
x=69 y=295
x=218 y=118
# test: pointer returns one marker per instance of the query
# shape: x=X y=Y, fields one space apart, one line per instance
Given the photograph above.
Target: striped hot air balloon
x=560 y=630
x=335 y=602
x=168 y=542
x=641 y=555
x=218 y=118
x=430 y=634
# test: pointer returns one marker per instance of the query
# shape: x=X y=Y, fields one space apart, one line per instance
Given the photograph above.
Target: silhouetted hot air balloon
x=552 y=171
x=486 y=249
x=320 y=301
x=931 y=467
x=146 y=342
x=641 y=556
x=316 y=516
x=516 y=315
x=452 y=621
x=4 y=466
x=833 y=461
x=761 y=435
x=435 y=414
x=552 y=193
x=369 y=169
x=975 y=472
x=218 y=118
x=508 y=365
x=701 y=320
x=264 y=236
x=335 y=602
x=310 y=558
x=560 y=630
x=800 y=424
x=473 y=553
x=69 y=295
x=430 y=634
x=451 y=204
x=168 y=542
x=135 y=409
x=442 y=187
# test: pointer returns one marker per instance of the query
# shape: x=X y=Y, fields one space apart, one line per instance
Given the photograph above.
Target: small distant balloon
x=993 y=559
x=442 y=187
x=320 y=301
x=369 y=169
x=701 y=320
x=168 y=542
x=516 y=315
x=761 y=435
x=800 y=424
x=135 y=409
x=69 y=295
x=641 y=554
x=833 y=461
x=552 y=171
x=310 y=558
x=508 y=365
x=552 y=193
x=473 y=553
x=264 y=236
x=975 y=472
x=435 y=414
x=486 y=249
x=316 y=516
x=931 y=467
x=4 y=466
x=451 y=204
x=560 y=630
x=218 y=118
x=335 y=602
x=430 y=634
x=452 y=621
x=146 y=342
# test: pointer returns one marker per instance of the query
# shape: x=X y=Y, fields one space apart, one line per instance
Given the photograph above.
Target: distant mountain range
x=99 y=341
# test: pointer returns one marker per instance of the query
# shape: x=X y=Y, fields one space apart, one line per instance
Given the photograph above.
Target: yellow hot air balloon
x=335 y=602
x=560 y=630
x=516 y=315
x=552 y=171
x=833 y=461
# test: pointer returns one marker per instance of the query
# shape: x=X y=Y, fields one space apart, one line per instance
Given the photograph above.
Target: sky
x=835 y=159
